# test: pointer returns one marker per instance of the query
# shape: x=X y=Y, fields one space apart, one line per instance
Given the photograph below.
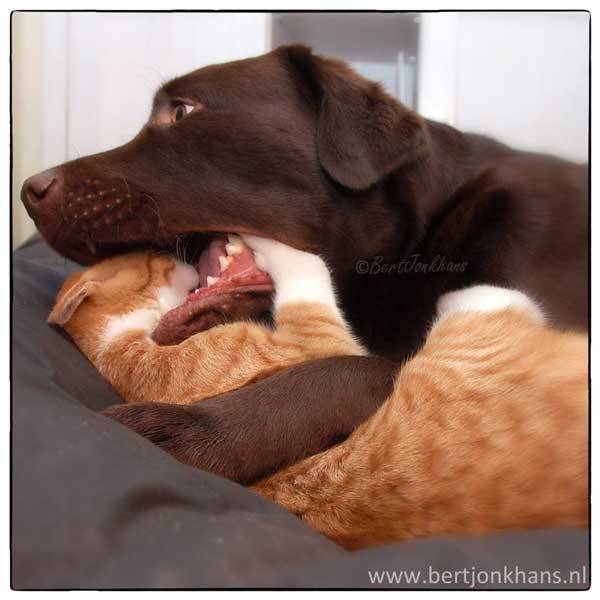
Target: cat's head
x=154 y=283
x=121 y=286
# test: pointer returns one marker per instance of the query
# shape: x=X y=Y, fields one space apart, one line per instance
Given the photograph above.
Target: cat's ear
x=74 y=292
x=363 y=133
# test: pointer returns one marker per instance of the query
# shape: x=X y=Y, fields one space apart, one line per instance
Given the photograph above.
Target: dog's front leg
x=248 y=433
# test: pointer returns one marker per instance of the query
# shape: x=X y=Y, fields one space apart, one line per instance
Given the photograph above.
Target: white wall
x=520 y=77
x=26 y=117
x=117 y=61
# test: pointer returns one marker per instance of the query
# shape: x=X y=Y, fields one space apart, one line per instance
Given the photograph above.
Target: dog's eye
x=180 y=111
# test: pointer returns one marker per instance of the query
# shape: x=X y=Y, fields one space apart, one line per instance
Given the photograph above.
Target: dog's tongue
x=228 y=277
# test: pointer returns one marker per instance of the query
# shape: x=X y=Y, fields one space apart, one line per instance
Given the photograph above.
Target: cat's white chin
x=142 y=319
x=486 y=298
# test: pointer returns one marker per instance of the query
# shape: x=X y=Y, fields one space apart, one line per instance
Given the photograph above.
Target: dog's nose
x=43 y=188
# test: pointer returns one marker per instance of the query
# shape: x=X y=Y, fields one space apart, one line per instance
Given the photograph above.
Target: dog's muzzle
x=88 y=209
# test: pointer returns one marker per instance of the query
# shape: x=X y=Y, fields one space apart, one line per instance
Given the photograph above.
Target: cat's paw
x=486 y=298
x=298 y=276
x=282 y=261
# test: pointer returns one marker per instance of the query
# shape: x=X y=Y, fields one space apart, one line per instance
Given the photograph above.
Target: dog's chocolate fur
x=299 y=148
x=254 y=431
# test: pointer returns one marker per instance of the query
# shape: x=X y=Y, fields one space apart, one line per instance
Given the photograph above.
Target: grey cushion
x=96 y=506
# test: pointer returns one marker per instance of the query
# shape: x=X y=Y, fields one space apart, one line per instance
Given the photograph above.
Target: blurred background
x=83 y=82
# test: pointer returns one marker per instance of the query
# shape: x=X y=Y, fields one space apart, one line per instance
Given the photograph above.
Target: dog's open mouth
x=228 y=265
x=231 y=287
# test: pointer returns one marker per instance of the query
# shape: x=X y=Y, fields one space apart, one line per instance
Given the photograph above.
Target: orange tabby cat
x=486 y=429
x=111 y=310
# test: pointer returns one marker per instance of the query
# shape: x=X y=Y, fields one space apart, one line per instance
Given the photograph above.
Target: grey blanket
x=96 y=506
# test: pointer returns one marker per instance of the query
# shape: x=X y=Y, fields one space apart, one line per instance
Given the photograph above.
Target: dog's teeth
x=225 y=262
x=91 y=246
x=211 y=280
x=232 y=250
x=235 y=245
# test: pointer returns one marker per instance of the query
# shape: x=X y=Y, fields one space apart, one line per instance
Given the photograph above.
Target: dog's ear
x=363 y=133
x=74 y=291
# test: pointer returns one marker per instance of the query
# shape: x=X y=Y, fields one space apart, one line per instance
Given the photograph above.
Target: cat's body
x=486 y=428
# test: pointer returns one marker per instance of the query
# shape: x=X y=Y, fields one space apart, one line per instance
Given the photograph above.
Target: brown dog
x=299 y=148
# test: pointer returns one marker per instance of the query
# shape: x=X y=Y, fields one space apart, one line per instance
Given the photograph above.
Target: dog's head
x=288 y=145
x=269 y=145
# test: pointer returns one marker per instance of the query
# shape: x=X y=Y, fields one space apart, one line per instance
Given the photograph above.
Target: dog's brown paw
x=154 y=421
x=184 y=432
x=193 y=434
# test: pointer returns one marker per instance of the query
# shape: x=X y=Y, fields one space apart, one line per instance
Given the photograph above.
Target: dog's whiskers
x=178 y=252
x=155 y=208
x=185 y=249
